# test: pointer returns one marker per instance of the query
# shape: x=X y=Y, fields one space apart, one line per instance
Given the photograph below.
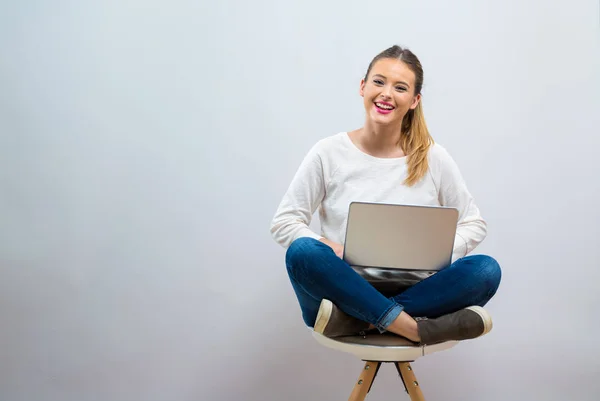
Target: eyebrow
x=399 y=82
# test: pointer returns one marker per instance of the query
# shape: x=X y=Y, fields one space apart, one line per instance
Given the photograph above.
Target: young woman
x=391 y=159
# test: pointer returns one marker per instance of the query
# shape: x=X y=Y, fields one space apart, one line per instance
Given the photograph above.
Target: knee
x=301 y=249
x=489 y=271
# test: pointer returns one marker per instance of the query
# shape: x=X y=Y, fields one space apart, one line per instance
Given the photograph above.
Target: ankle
x=405 y=326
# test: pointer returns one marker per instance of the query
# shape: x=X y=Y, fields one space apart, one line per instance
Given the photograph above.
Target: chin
x=382 y=119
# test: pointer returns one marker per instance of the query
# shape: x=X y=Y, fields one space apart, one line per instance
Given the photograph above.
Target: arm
x=453 y=192
x=302 y=198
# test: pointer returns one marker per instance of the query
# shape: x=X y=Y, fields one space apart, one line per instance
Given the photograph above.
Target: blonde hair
x=415 y=139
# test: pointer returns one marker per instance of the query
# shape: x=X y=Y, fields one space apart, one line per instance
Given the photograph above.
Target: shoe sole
x=485 y=316
x=323 y=316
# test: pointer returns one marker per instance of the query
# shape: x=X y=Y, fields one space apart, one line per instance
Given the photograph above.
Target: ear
x=362 y=88
x=415 y=102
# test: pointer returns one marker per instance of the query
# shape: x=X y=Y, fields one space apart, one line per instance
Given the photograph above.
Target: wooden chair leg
x=365 y=380
x=410 y=381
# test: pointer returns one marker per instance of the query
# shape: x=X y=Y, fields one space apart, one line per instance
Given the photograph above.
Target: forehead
x=394 y=70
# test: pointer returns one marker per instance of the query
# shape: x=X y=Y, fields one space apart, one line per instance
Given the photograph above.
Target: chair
x=375 y=349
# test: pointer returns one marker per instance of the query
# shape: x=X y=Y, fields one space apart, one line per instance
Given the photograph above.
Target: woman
x=391 y=159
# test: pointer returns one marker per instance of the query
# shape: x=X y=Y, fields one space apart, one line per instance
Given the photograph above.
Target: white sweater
x=335 y=172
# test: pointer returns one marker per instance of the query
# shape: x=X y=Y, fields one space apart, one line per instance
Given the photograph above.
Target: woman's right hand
x=337 y=248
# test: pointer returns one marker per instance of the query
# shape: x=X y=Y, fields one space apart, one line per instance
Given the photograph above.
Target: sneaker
x=465 y=324
x=333 y=322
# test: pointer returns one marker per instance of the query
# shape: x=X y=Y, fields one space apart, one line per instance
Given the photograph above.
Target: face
x=388 y=91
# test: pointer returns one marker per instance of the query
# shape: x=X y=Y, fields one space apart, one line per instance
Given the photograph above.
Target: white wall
x=145 y=146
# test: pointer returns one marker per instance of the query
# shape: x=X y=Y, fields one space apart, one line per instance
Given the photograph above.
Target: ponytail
x=415 y=141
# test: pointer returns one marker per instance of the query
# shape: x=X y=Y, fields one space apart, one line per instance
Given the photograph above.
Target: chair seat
x=385 y=347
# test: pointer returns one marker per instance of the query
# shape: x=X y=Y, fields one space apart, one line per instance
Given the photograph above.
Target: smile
x=384 y=108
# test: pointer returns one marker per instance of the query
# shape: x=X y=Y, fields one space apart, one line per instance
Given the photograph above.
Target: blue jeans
x=316 y=272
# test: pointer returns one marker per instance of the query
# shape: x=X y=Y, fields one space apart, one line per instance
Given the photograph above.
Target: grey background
x=145 y=146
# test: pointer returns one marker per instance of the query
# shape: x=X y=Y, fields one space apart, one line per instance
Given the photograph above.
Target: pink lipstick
x=382 y=110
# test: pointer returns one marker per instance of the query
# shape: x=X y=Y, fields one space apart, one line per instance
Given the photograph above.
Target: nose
x=386 y=92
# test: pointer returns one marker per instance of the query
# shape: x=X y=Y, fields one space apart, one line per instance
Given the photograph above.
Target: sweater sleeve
x=453 y=192
x=302 y=198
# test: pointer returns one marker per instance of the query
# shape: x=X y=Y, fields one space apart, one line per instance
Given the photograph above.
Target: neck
x=380 y=140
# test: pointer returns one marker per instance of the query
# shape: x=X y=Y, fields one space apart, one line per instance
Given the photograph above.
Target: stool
x=375 y=349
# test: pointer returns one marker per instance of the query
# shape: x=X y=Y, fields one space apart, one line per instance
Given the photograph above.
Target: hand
x=337 y=248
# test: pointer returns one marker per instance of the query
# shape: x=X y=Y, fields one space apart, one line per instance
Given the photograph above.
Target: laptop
x=393 y=236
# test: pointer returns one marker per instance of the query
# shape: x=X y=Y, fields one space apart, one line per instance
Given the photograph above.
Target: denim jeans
x=316 y=272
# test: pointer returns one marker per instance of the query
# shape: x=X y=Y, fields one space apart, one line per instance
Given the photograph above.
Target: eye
x=378 y=82
x=400 y=89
